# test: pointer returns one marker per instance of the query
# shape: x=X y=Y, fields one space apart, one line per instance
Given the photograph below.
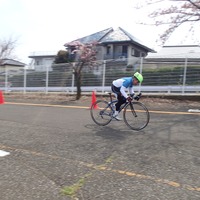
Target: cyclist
x=118 y=88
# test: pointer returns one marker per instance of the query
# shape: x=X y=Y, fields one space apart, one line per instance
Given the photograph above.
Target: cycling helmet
x=138 y=76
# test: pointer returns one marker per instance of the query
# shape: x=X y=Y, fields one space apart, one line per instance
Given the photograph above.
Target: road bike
x=135 y=114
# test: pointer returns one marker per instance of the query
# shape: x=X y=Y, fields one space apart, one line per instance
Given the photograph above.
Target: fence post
x=73 y=71
x=184 y=75
x=141 y=67
x=47 y=79
x=6 y=80
x=104 y=73
x=24 y=80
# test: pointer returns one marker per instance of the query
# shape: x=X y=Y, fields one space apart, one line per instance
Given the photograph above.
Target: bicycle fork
x=132 y=110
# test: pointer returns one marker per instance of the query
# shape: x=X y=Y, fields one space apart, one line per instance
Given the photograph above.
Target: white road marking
x=3 y=153
x=193 y=110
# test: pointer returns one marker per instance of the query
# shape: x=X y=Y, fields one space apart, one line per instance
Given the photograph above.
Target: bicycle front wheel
x=101 y=112
x=136 y=116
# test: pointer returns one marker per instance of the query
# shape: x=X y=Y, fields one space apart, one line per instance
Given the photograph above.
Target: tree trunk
x=78 y=84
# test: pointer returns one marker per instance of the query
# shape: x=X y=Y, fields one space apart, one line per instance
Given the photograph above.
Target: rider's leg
x=121 y=100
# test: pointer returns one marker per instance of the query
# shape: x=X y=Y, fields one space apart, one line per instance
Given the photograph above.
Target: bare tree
x=173 y=13
x=83 y=55
x=7 y=47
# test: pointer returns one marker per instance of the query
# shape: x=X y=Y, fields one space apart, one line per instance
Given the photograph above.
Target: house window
x=124 y=50
x=37 y=62
x=135 y=52
x=108 y=49
x=132 y=51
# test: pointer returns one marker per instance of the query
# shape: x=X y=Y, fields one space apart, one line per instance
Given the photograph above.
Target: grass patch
x=109 y=159
x=73 y=189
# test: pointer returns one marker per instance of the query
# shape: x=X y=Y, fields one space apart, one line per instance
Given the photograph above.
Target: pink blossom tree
x=84 y=55
x=171 y=13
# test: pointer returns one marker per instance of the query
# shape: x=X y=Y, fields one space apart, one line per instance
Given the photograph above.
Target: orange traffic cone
x=1 y=98
x=93 y=100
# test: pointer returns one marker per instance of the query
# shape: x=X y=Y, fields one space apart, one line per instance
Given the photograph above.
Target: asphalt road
x=57 y=150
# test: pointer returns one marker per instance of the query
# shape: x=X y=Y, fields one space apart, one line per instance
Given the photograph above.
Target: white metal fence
x=182 y=77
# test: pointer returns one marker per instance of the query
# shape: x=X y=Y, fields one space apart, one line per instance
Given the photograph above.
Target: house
x=175 y=55
x=42 y=60
x=10 y=65
x=114 y=45
x=8 y=68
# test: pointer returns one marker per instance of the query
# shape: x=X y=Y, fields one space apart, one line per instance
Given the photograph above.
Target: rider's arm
x=131 y=91
x=122 y=90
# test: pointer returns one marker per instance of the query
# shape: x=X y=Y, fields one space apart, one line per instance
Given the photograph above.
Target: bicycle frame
x=111 y=103
x=115 y=101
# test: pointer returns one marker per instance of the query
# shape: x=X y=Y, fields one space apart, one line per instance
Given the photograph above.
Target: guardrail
x=100 y=89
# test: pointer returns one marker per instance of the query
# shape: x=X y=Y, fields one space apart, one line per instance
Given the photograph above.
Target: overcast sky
x=46 y=25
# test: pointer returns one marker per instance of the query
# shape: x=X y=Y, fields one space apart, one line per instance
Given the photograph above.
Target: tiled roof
x=91 y=38
x=111 y=36
x=116 y=36
x=12 y=62
x=120 y=35
x=173 y=52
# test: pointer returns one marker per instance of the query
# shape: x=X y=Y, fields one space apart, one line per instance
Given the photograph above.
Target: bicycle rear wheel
x=136 y=116
x=101 y=112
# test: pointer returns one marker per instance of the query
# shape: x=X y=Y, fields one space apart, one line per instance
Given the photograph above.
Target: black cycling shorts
x=115 y=89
